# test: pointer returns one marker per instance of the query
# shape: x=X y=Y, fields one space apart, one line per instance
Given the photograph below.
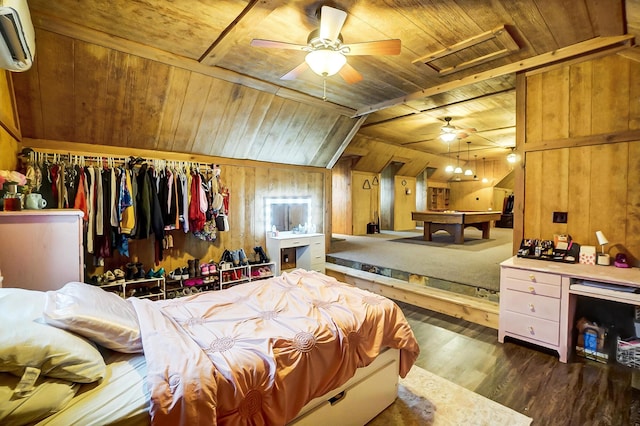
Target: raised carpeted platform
x=471 y=268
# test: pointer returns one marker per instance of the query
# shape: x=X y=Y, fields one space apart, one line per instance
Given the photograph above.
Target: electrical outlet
x=560 y=217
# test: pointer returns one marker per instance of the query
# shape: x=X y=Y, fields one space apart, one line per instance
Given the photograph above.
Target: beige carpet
x=427 y=399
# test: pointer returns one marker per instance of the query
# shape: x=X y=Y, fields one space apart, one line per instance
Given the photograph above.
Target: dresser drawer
x=532 y=276
x=294 y=242
x=317 y=245
x=531 y=304
x=530 y=287
x=530 y=327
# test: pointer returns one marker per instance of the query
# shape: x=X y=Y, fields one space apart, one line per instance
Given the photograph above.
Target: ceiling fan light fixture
x=448 y=131
x=447 y=137
x=325 y=62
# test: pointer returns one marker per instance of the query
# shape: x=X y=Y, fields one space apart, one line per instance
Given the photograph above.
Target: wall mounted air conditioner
x=17 y=38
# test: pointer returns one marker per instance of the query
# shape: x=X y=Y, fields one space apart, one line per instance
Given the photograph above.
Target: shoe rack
x=142 y=288
x=179 y=287
x=223 y=278
x=246 y=273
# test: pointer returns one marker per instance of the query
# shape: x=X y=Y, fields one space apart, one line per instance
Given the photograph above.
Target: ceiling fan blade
x=349 y=74
x=256 y=42
x=294 y=73
x=331 y=22
x=381 y=47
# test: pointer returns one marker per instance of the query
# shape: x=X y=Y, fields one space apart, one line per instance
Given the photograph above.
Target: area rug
x=473 y=241
x=427 y=399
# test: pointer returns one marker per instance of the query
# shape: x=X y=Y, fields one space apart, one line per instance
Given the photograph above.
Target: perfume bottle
x=12 y=199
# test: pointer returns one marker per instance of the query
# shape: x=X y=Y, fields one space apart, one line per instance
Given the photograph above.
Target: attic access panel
x=498 y=43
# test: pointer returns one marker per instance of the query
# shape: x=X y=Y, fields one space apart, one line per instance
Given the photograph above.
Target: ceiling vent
x=493 y=44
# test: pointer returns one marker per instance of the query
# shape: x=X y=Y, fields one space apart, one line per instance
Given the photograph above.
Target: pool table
x=454 y=222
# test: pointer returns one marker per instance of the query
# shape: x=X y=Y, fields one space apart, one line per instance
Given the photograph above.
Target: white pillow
x=27 y=340
x=47 y=397
x=96 y=314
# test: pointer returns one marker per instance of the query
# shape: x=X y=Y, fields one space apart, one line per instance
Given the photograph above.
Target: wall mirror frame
x=286 y=213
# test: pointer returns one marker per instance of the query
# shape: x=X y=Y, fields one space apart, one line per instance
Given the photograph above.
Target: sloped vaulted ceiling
x=181 y=75
x=83 y=92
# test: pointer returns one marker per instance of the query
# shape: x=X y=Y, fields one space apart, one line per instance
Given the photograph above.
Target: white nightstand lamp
x=602 y=259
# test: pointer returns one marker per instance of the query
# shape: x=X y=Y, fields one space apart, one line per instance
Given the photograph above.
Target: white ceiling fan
x=450 y=132
x=327 y=53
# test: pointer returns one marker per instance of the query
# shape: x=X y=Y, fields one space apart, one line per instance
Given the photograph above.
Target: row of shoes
x=131 y=272
x=195 y=269
x=240 y=258
x=233 y=275
x=143 y=291
x=187 y=291
x=261 y=272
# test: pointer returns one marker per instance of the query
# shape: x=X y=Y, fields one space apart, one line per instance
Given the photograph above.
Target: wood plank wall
x=472 y=195
x=9 y=125
x=404 y=203
x=341 y=213
x=249 y=182
x=582 y=153
x=365 y=199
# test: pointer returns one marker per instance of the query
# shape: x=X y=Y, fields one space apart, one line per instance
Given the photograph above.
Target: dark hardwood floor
x=527 y=379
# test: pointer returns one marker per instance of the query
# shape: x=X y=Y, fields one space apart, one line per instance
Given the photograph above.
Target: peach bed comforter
x=257 y=353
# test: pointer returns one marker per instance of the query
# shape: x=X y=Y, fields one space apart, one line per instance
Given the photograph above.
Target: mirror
x=287 y=213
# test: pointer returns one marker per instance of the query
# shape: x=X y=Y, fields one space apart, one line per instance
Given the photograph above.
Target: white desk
x=538 y=298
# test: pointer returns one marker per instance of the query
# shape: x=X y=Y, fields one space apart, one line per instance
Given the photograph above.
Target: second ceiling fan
x=327 y=53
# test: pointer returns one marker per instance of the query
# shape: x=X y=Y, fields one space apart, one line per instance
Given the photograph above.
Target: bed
x=288 y=350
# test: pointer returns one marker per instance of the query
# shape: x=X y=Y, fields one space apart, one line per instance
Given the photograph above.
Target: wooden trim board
x=468 y=308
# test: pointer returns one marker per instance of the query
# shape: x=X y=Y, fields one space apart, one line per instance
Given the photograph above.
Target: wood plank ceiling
x=181 y=75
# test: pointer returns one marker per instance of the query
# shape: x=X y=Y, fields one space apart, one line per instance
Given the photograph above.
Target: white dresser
x=41 y=249
x=290 y=251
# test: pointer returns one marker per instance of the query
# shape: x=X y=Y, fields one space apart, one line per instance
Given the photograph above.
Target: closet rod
x=98 y=158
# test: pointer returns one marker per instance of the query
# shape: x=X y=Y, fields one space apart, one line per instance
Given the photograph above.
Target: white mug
x=36 y=202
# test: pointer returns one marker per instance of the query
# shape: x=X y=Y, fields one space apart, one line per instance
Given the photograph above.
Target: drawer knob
x=532 y=289
x=531 y=307
x=531 y=331
x=532 y=277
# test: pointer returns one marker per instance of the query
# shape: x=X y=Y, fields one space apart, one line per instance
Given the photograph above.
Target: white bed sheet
x=121 y=398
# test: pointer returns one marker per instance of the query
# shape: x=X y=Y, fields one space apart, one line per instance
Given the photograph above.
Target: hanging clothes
x=196 y=215
x=143 y=204
x=99 y=203
x=184 y=201
x=80 y=201
x=127 y=214
x=53 y=172
x=157 y=224
x=71 y=180
x=46 y=188
x=103 y=242
x=123 y=202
